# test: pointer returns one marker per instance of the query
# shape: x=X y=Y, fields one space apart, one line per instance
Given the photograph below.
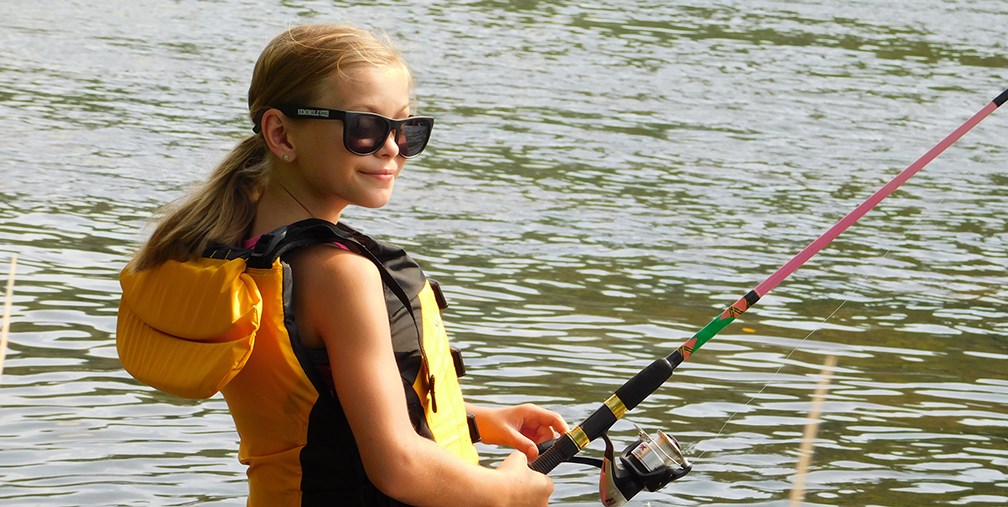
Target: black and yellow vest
x=225 y=323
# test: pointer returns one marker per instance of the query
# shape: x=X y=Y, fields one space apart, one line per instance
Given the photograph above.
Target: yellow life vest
x=224 y=323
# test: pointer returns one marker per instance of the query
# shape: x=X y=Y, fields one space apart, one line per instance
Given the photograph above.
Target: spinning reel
x=648 y=463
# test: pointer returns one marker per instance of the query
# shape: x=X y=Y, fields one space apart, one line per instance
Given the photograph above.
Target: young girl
x=327 y=344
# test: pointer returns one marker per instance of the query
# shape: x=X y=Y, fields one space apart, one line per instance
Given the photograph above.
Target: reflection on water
x=604 y=179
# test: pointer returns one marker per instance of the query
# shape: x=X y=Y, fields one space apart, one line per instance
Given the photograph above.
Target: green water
x=605 y=178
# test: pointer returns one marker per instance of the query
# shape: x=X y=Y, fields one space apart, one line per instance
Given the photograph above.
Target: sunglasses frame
x=320 y=113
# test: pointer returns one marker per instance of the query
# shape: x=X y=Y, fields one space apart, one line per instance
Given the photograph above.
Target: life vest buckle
x=439 y=296
x=474 y=434
x=460 y=370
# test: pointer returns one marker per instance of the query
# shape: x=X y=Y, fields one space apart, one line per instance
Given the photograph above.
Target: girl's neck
x=298 y=201
x=282 y=204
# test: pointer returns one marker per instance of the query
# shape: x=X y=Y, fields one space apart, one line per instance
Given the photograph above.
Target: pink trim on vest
x=249 y=243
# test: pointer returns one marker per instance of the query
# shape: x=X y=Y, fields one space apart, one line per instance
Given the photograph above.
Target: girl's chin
x=375 y=201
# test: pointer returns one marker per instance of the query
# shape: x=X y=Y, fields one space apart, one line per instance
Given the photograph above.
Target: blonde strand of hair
x=218 y=212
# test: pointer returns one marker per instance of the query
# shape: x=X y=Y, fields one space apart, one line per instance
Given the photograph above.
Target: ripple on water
x=587 y=205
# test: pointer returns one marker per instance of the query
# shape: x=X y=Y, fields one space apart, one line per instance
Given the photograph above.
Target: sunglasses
x=366 y=133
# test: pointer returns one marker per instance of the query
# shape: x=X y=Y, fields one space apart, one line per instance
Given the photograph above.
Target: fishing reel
x=648 y=463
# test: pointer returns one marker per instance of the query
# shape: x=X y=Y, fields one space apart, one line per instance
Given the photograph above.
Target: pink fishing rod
x=880 y=194
x=648 y=380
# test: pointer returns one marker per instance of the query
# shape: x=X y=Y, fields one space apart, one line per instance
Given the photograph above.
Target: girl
x=331 y=356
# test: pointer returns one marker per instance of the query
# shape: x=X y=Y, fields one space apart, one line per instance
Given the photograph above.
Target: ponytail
x=220 y=211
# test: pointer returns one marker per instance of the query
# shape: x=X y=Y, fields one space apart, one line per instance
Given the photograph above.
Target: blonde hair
x=291 y=70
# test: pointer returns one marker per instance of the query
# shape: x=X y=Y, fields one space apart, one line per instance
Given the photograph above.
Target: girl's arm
x=340 y=300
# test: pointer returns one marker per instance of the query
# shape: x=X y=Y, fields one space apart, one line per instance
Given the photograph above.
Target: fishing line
x=929 y=212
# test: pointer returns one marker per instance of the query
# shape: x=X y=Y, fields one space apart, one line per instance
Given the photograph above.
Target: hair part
x=291 y=70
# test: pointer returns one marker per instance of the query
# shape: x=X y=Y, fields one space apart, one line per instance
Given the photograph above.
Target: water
x=605 y=178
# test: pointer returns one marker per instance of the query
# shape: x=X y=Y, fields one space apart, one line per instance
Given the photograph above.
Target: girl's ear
x=277 y=135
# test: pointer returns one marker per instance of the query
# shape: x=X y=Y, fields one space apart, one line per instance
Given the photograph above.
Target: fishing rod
x=653 y=463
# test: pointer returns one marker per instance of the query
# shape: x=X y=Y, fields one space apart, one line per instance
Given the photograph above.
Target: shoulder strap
x=284 y=240
x=315 y=231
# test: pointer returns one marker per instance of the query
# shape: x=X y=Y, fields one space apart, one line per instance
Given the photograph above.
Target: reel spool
x=648 y=463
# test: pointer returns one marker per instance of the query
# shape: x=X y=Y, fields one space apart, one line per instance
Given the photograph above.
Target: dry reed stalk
x=811 y=428
x=6 y=313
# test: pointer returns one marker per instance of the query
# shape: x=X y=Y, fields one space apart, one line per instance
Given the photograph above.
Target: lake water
x=604 y=179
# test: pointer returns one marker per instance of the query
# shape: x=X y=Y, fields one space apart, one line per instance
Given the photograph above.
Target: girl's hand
x=520 y=427
x=531 y=488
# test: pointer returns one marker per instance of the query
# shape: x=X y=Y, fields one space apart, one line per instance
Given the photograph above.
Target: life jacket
x=224 y=322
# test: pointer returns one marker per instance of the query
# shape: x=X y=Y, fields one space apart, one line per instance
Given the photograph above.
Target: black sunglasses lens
x=413 y=136
x=366 y=133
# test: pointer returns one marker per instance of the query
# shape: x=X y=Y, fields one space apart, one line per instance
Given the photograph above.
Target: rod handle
x=562 y=450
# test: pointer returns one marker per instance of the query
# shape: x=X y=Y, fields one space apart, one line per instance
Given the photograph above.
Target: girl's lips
x=381 y=175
